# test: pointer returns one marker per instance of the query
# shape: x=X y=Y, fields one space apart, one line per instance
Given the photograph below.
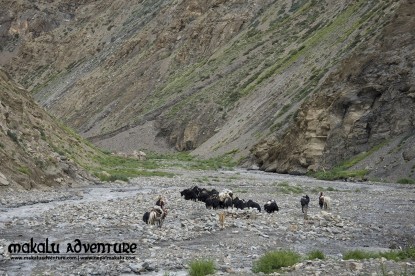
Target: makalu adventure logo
x=76 y=250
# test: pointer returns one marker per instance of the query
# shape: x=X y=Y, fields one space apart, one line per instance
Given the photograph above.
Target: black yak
x=189 y=194
x=212 y=202
x=271 y=206
x=253 y=204
x=238 y=204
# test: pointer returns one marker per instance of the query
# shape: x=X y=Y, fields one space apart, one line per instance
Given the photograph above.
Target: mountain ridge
x=212 y=78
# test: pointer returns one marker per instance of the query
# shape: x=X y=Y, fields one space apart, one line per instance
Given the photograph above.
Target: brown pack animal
x=157 y=214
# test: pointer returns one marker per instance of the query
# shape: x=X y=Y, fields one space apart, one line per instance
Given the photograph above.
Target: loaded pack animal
x=324 y=201
x=305 y=200
x=157 y=214
x=271 y=206
x=225 y=199
x=219 y=200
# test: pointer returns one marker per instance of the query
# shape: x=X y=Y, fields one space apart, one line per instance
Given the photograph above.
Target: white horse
x=324 y=201
x=327 y=201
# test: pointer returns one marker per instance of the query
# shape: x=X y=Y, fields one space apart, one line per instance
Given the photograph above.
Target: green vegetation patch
x=316 y=254
x=406 y=181
x=185 y=160
x=395 y=255
x=359 y=255
x=342 y=171
x=287 y=188
x=221 y=162
x=120 y=174
x=201 y=267
x=112 y=167
x=24 y=170
x=274 y=260
x=339 y=173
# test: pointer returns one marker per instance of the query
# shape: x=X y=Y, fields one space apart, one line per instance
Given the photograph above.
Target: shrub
x=114 y=177
x=42 y=134
x=316 y=254
x=13 y=136
x=359 y=255
x=395 y=255
x=274 y=260
x=408 y=253
x=201 y=267
x=406 y=181
x=24 y=170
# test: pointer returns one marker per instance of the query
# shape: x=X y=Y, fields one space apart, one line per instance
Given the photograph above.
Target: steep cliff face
x=368 y=101
x=33 y=147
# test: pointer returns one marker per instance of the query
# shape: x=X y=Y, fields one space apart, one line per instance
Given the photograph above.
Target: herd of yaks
x=214 y=200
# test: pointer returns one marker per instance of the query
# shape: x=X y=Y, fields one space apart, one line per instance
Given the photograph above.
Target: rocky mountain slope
x=34 y=148
x=366 y=105
x=215 y=77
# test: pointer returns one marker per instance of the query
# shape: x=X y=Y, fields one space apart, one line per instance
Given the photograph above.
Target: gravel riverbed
x=368 y=216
